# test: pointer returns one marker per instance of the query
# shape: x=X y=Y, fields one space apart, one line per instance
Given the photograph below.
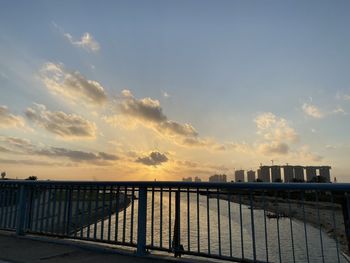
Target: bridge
x=238 y=222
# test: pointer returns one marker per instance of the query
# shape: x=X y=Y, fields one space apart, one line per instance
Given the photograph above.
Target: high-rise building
x=265 y=173
x=326 y=173
x=218 y=178
x=276 y=173
x=259 y=174
x=299 y=173
x=239 y=175
x=310 y=173
x=251 y=176
x=197 y=179
x=288 y=173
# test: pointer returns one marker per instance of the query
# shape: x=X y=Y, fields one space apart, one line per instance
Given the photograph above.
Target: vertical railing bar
x=59 y=209
x=97 y=197
x=110 y=213
x=124 y=211
x=278 y=227
x=198 y=225
x=48 y=210
x=82 y=217
x=334 y=227
x=161 y=219
x=241 y=223
x=152 y=217
x=6 y=207
x=132 y=215
x=253 y=224
x=11 y=207
x=229 y=220
x=1 y=205
x=188 y=220
x=15 y=207
x=69 y=210
x=76 y=216
x=43 y=210
x=103 y=211
x=265 y=228
x=291 y=225
x=53 y=210
x=65 y=210
x=116 y=214
x=208 y=220
x=2 y=197
x=169 y=218
x=89 y=212
x=319 y=223
x=305 y=229
x=219 y=223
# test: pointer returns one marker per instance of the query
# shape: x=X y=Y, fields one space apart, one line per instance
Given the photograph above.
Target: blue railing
x=241 y=222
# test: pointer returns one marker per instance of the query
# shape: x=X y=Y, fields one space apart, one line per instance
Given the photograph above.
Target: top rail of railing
x=202 y=185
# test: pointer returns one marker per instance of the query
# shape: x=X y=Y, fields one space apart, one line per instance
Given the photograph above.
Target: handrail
x=175 y=184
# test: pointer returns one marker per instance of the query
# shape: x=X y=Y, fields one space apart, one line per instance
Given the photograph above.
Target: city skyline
x=168 y=90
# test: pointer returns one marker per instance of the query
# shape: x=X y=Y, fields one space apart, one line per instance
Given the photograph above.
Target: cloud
x=66 y=126
x=154 y=159
x=149 y=113
x=312 y=111
x=72 y=85
x=26 y=147
x=274 y=148
x=28 y=162
x=86 y=41
x=339 y=110
x=274 y=128
x=76 y=155
x=8 y=120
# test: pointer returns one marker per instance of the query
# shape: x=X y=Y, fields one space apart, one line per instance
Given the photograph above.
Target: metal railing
x=240 y=222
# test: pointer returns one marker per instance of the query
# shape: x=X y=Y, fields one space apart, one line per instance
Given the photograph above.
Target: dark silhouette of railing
x=242 y=222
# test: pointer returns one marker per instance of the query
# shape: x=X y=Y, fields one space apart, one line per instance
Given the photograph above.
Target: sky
x=145 y=90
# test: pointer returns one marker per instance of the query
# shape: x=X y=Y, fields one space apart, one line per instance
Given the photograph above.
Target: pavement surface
x=15 y=249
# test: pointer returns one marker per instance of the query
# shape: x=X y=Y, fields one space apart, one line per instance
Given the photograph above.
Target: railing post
x=21 y=210
x=177 y=247
x=142 y=222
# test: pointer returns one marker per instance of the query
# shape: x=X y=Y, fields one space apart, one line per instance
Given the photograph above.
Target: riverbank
x=317 y=214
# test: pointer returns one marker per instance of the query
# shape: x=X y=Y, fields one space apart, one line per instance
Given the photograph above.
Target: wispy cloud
x=26 y=147
x=312 y=111
x=9 y=120
x=72 y=85
x=86 y=41
x=66 y=126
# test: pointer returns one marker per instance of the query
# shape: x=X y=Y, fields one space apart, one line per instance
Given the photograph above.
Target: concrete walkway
x=31 y=250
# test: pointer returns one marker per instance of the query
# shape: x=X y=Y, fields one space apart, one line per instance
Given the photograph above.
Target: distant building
x=310 y=173
x=265 y=173
x=259 y=175
x=239 y=175
x=276 y=173
x=299 y=173
x=197 y=179
x=288 y=173
x=251 y=176
x=188 y=179
x=326 y=173
x=218 y=178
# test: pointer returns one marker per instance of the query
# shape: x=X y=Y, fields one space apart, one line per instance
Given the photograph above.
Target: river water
x=228 y=247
